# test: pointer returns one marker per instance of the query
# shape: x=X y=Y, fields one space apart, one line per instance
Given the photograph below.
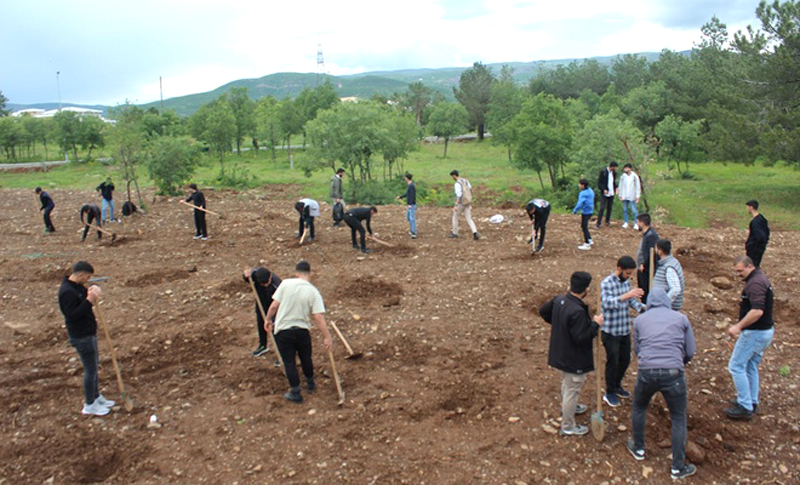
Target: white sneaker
x=105 y=402
x=198 y=237
x=94 y=409
x=625 y=226
x=591 y=242
x=585 y=247
x=636 y=227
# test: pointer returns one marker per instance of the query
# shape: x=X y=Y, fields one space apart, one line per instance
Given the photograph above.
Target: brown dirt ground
x=453 y=350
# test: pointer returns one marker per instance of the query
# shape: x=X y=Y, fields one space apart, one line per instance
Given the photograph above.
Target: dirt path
x=454 y=387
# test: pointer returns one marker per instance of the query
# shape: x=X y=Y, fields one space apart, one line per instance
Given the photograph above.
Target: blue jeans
x=743 y=365
x=108 y=204
x=672 y=385
x=634 y=210
x=411 y=215
x=87 y=351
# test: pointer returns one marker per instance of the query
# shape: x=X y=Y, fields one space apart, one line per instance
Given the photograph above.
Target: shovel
x=382 y=242
x=353 y=355
x=201 y=209
x=126 y=400
x=336 y=379
x=108 y=233
x=303 y=237
x=264 y=317
x=598 y=426
x=652 y=268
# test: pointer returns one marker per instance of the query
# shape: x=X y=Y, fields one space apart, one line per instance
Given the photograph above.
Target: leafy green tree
x=647 y=105
x=680 y=140
x=12 y=135
x=416 y=98
x=474 y=93
x=311 y=101
x=400 y=137
x=130 y=136
x=215 y=124
x=448 y=120
x=505 y=102
x=3 y=101
x=268 y=126
x=161 y=123
x=570 y=80
x=68 y=132
x=243 y=108
x=291 y=122
x=92 y=134
x=171 y=161
x=629 y=71
x=543 y=136
x=608 y=137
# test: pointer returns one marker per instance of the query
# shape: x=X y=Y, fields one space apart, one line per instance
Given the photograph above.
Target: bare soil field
x=454 y=385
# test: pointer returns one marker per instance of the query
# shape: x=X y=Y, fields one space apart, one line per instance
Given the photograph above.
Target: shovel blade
x=355 y=356
x=598 y=426
x=128 y=403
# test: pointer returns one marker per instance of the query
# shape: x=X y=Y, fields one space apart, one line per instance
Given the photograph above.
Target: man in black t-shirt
x=106 y=190
x=198 y=200
x=47 y=207
x=353 y=218
x=754 y=330
x=538 y=210
x=92 y=213
x=266 y=282
x=758 y=237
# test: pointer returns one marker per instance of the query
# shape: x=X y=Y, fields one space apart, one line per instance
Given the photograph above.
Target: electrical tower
x=320 y=65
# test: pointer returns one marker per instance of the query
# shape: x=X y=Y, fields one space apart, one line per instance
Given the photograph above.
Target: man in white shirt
x=294 y=304
x=607 y=185
x=463 y=204
x=630 y=189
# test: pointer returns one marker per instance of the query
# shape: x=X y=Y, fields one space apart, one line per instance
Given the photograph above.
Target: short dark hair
x=262 y=275
x=38 y=190
x=579 y=281
x=303 y=267
x=745 y=260
x=373 y=209
x=752 y=203
x=628 y=165
x=193 y=186
x=583 y=182
x=644 y=219
x=82 y=267
x=664 y=245
x=626 y=262
x=339 y=170
x=613 y=164
x=454 y=172
x=299 y=206
x=409 y=176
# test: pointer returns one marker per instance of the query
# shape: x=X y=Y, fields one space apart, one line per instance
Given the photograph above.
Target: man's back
x=298 y=300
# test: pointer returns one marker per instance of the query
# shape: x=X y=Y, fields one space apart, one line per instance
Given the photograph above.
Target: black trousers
x=606 y=204
x=643 y=279
x=262 y=334
x=756 y=254
x=540 y=223
x=200 y=223
x=585 y=227
x=48 y=224
x=295 y=342
x=618 y=358
x=305 y=221
x=89 y=219
x=355 y=225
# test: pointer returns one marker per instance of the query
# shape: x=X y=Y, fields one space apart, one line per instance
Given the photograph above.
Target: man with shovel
x=353 y=218
x=293 y=306
x=664 y=343
x=538 y=210
x=308 y=210
x=197 y=199
x=571 y=335
x=76 y=302
x=47 y=207
x=266 y=283
x=92 y=213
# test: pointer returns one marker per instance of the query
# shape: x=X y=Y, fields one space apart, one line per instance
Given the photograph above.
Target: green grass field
x=715 y=197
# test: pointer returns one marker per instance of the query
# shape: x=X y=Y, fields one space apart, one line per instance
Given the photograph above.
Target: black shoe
x=686 y=471
x=365 y=250
x=638 y=455
x=311 y=239
x=738 y=412
x=529 y=241
x=451 y=235
x=298 y=236
x=337 y=224
x=539 y=249
x=355 y=246
x=277 y=363
x=413 y=235
x=311 y=386
x=734 y=402
x=261 y=350
x=293 y=397
x=476 y=236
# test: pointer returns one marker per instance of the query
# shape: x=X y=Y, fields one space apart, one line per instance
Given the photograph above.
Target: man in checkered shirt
x=617 y=298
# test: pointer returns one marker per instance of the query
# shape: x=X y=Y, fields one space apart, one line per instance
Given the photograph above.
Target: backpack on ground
x=338 y=212
x=466 y=192
x=128 y=208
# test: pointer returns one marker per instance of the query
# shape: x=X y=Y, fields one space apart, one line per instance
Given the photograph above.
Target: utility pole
x=58 y=85
x=161 y=88
x=320 y=65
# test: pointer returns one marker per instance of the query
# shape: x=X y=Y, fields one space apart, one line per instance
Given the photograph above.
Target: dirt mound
x=158 y=277
x=370 y=287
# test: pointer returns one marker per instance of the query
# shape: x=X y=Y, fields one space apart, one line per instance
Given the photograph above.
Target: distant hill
x=365 y=85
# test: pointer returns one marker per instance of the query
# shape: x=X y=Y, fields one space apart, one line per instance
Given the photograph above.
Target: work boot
x=294 y=395
x=738 y=412
x=734 y=402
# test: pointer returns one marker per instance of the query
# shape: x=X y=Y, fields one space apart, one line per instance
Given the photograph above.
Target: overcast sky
x=110 y=51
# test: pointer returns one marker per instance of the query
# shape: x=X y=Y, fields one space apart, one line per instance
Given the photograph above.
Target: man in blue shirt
x=617 y=298
x=586 y=206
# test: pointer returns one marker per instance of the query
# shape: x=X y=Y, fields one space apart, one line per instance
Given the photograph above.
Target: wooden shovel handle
x=264 y=317
x=382 y=242
x=344 y=340
x=102 y=319
x=98 y=228
x=197 y=207
x=336 y=377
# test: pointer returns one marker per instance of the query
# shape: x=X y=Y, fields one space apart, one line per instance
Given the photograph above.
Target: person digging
x=267 y=283
x=294 y=305
x=92 y=213
x=353 y=219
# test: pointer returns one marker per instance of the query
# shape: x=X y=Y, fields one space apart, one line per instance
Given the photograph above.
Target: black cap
x=262 y=275
x=579 y=281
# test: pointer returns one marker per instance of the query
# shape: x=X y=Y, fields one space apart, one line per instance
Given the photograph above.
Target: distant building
x=349 y=99
x=49 y=113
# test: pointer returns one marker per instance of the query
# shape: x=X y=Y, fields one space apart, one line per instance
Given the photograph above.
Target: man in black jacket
x=266 y=282
x=47 y=207
x=92 y=213
x=649 y=240
x=607 y=185
x=353 y=218
x=198 y=200
x=411 y=204
x=538 y=210
x=570 y=352
x=759 y=234
x=75 y=302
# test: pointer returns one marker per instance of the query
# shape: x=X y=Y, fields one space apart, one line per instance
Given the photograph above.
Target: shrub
x=171 y=161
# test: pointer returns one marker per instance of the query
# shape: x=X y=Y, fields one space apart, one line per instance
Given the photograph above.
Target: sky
x=107 y=52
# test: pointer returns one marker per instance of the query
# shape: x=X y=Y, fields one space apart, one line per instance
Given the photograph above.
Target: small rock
x=665 y=443
x=722 y=282
x=718 y=437
x=694 y=453
x=155 y=425
x=646 y=471
x=312 y=412
x=544 y=463
x=705 y=391
x=513 y=419
x=781 y=467
x=622 y=427
x=549 y=429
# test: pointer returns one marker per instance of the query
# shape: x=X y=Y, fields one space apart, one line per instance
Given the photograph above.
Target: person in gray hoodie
x=664 y=342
